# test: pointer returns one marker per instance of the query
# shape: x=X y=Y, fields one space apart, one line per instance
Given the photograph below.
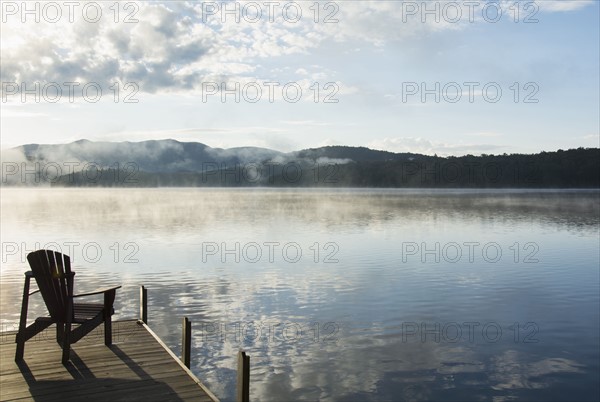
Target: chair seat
x=86 y=311
x=82 y=312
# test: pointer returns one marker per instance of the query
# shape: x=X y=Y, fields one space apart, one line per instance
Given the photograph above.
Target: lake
x=340 y=294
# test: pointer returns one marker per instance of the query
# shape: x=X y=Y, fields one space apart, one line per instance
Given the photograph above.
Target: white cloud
x=428 y=147
x=332 y=161
x=485 y=134
x=563 y=5
x=168 y=49
x=329 y=142
x=21 y=114
x=312 y=123
x=591 y=136
x=174 y=46
x=216 y=137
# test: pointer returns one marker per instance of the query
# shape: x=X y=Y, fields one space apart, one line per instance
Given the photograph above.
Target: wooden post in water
x=243 y=377
x=144 y=304
x=186 y=341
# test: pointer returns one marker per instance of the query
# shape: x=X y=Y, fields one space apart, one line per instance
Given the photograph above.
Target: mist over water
x=328 y=290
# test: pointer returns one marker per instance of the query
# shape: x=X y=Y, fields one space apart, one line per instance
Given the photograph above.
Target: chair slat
x=40 y=267
x=52 y=273
x=60 y=279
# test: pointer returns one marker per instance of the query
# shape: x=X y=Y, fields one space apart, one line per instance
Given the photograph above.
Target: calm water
x=341 y=295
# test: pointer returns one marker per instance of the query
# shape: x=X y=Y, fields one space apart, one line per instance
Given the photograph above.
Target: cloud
x=21 y=114
x=216 y=137
x=428 y=147
x=563 y=5
x=332 y=161
x=171 y=47
x=12 y=155
x=485 y=134
x=591 y=136
x=306 y=123
x=184 y=134
x=175 y=46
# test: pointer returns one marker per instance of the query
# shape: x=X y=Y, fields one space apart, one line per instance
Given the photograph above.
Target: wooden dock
x=137 y=367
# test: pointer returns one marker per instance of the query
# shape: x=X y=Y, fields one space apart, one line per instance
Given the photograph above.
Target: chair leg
x=66 y=343
x=20 y=351
x=22 y=321
x=60 y=330
x=108 y=330
x=109 y=298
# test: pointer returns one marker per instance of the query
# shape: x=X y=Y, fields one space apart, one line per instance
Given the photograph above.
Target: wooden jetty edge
x=138 y=366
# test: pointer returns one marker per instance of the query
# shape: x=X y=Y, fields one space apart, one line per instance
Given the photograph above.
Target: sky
x=445 y=77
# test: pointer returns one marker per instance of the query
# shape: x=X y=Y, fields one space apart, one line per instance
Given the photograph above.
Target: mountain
x=191 y=164
x=167 y=156
x=357 y=154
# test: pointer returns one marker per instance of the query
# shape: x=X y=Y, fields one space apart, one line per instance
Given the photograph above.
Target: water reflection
x=362 y=305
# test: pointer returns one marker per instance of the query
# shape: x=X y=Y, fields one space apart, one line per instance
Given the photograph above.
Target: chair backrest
x=52 y=272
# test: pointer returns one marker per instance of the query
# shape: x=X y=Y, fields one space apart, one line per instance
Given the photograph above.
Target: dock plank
x=137 y=367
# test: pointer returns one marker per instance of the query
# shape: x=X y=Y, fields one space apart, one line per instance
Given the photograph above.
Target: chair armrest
x=97 y=292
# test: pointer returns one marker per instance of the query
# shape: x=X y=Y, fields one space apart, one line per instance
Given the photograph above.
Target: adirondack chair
x=55 y=281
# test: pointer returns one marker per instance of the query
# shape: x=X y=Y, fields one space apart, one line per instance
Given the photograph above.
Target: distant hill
x=164 y=156
x=357 y=154
x=190 y=164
